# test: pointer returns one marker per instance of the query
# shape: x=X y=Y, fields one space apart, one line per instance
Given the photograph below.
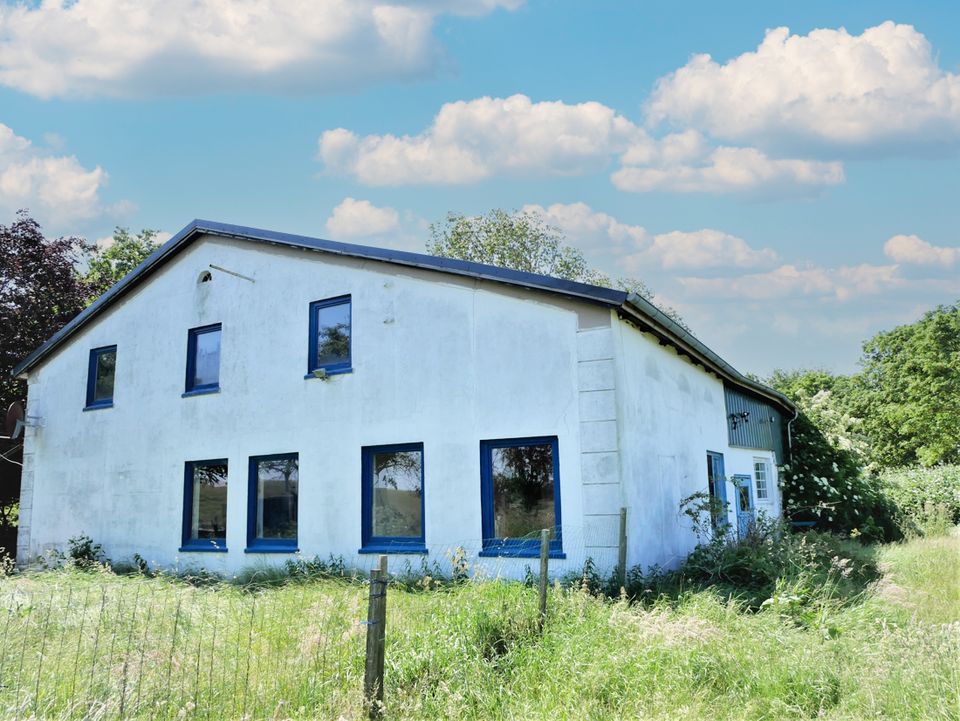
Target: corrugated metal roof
x=632 y=306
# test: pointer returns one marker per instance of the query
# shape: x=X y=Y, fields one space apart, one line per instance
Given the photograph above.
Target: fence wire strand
x=96 y=645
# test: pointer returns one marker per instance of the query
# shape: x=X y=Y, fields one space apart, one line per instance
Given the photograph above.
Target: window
x=273 y=491
x=760 y=474
x=205 y=506
x=520 y=495
x=100 y=377
x=203 y=360
x=392 y=498
x=717 y=485
x=330 y=336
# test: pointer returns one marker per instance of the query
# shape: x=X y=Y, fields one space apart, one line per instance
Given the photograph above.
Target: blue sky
x=791 y=194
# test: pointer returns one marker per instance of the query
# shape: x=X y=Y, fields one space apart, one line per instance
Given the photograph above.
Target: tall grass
x=89 y=645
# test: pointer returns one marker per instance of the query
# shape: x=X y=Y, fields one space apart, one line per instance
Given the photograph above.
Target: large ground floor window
x=520 y=495
x=392 y=498
x=205 y=506
x=272 y=497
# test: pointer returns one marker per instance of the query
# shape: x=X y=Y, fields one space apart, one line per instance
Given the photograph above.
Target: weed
x=84 y=553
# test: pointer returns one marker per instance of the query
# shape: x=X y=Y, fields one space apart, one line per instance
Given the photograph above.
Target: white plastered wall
x=671 y=412
x=739 y=461
x=436 y=359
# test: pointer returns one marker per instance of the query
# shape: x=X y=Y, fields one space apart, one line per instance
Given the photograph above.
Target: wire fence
x=291 y=642
x=117 y=648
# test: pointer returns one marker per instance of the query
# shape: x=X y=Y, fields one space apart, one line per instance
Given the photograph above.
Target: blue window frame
x=717 y=486
x=101 y=373
x=203 y=360
x=393 y=499
x=520 y=495
x=205 y=506
x=272 y=498
x=331 y=336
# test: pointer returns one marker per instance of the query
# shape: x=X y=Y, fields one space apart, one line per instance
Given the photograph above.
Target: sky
x=785 y=175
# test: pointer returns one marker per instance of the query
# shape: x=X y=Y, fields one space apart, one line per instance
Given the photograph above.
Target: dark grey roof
x=630 y=306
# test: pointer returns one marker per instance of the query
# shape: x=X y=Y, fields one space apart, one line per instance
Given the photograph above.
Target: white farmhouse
x=244 y=395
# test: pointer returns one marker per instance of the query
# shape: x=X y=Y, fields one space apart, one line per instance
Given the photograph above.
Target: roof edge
x=596 y=294
x=667 y=329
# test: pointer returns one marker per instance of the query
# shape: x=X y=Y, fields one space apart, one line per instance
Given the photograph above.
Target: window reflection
x=277 y=482
x=397 y=494
x=523 y=490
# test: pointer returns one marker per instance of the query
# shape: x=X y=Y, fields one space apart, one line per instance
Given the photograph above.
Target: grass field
x=96 y=645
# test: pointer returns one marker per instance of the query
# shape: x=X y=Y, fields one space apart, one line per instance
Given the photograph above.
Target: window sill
x=330 y=372
x=271 y=549
x=200 y=392
x=393 y=549
x=202 y=549
x=518 y=553
x=98 y=406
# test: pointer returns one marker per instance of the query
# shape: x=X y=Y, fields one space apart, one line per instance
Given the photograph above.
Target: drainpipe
x=796 y=414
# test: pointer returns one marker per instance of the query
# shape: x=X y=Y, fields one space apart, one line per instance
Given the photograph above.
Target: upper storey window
x=203 y=359
x=100 y=376
x=330 y=336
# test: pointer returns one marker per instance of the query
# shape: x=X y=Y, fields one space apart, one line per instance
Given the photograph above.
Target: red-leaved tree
x=40 y=290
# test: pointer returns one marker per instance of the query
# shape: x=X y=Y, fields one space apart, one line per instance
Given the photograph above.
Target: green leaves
x=908 y=394
x=108 y=265
x=524 y=241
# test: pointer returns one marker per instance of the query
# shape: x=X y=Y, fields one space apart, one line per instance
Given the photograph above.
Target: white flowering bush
x=824 y=486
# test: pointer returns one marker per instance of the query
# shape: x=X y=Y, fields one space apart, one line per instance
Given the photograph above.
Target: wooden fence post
x=622 y=559
x=544 y=571
x=376 y=633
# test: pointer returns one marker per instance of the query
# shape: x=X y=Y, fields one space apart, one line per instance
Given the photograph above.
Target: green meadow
x=98 y=645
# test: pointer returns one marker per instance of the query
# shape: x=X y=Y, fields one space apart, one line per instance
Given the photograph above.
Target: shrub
x=762 y=565
x=83 y=552
x=928 y=499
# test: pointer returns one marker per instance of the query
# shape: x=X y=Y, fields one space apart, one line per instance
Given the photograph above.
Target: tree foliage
x=40 y=290
x=908 y=393
x=902 y=408
x=108 y=265
x=524 y=241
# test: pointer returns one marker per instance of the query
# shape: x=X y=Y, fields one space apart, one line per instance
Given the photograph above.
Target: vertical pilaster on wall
x=26 y=510
x=599 y=445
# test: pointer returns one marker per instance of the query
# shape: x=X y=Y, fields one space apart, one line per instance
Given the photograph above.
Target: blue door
x=745 y=509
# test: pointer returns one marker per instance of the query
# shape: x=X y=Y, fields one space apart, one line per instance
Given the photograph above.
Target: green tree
x=110 y=264
x=524 y=241
x=908 y=393
x=824 y=397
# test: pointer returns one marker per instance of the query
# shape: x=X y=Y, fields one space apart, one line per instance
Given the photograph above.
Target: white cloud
x=792 y=281
x=912 y=250
x=469 y=141
x=355 y=218
x=706 y=248
x=591 y=230
x=148 y=47
x=720 y=170
x=56 y=189
x=883 y=85
x=474 y=140
x=634 y=249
